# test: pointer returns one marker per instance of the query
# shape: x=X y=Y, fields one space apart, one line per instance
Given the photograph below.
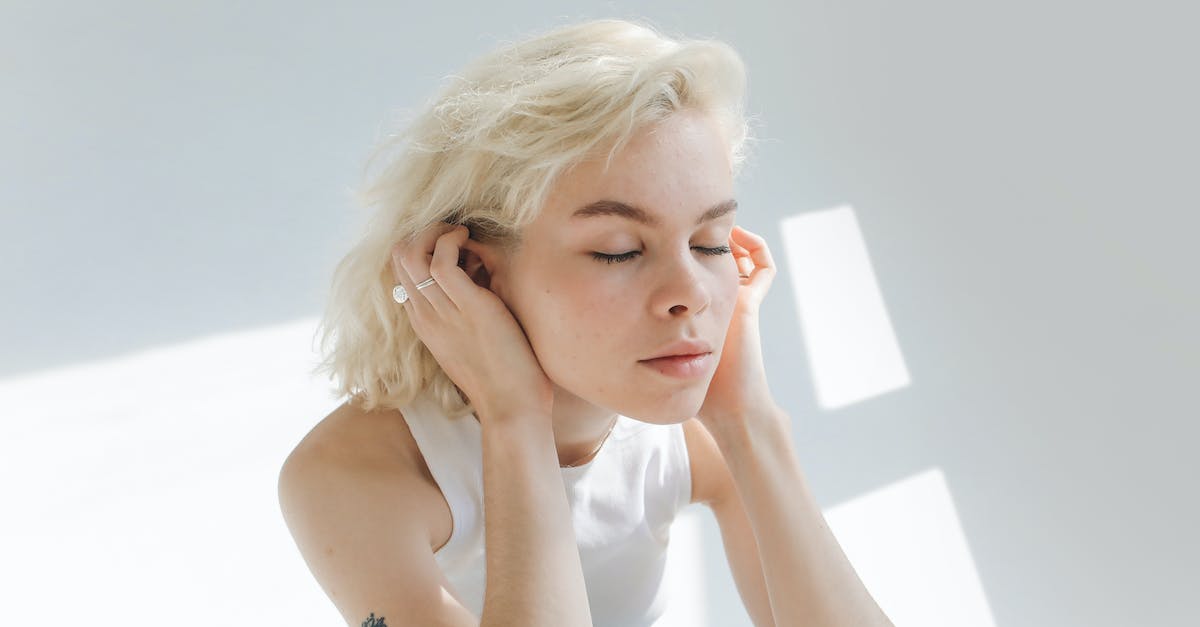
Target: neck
x=579 y=427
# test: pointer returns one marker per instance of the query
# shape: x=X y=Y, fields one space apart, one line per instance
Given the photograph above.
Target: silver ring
x=400 y=295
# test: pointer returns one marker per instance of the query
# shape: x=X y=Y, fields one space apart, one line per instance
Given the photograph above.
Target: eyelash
x=719 y=250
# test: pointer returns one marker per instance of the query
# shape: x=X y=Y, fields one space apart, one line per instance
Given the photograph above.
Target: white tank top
x=622 y=504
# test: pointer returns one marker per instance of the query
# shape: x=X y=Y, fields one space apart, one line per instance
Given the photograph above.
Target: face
x=590 y=320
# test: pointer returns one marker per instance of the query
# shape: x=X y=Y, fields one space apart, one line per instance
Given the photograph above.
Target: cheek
x=571 y=320
x=725 y=298
x=598 y=304
x=579 y=296
x=594 y=324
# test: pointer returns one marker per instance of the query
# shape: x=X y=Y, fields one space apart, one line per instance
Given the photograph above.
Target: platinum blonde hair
x=485 y=152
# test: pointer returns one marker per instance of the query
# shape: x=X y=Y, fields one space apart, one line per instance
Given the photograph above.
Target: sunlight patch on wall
x=907 y=545
x=852 y=350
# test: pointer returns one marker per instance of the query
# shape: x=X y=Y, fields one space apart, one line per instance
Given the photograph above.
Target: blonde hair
x=485 y=153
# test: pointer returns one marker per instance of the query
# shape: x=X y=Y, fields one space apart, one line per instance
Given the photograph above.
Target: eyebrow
x=637 y=214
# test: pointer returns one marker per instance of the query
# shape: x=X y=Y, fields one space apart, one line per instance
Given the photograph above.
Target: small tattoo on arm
x=374 y=622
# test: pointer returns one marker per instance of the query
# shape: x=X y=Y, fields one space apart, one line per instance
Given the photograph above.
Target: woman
x=552 y=319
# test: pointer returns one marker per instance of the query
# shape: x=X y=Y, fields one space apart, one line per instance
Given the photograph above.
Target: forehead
x=673 y=171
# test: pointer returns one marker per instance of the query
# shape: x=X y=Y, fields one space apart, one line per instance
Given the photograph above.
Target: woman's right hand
x=468 y=329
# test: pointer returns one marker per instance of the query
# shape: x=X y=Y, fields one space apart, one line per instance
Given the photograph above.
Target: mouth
x=680 y=366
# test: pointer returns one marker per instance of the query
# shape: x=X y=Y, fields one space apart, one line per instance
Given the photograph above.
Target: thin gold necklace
x=595 y=450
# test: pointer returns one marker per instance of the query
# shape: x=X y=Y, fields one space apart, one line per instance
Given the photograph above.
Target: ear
x=481 y=262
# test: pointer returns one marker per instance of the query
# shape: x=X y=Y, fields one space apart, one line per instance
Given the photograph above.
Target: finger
x=453 y=280
x=402 y=278
x=759 y=267
x=756 y=247
x=741 y=259
x=733 y=243
x=736 y=246
x=416 y=261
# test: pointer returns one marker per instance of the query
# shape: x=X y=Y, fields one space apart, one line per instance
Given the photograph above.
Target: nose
x=680 y=288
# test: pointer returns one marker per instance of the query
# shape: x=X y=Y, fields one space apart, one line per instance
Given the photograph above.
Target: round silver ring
x=399 y=294
x=426 y=283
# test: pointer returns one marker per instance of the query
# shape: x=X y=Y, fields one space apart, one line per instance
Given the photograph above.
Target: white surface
x=142 y=490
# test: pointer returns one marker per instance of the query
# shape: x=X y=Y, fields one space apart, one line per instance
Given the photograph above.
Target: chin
x=669 y=410
x=653 y=404
x=663 y=420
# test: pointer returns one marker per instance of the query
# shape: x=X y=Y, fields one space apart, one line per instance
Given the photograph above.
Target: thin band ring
x=400 y=295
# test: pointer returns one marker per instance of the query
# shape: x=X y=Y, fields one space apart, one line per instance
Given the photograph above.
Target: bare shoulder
x=372 y=454
x=351 y=435
x=359 y=510
x=711 y=479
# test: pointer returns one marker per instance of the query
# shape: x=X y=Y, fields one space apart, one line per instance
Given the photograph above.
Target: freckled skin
x=589 y=321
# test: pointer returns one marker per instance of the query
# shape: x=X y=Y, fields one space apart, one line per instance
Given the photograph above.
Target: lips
x=681 y=366
x=684 y=347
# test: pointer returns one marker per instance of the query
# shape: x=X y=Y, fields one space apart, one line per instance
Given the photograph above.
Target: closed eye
x=719 y=250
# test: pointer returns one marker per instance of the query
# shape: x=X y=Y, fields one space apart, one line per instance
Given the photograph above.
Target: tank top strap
x=453 y=451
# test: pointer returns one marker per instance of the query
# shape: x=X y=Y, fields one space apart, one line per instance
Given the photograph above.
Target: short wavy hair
x=485 y=152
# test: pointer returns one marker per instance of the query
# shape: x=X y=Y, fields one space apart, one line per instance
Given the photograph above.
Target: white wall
x=173 y=184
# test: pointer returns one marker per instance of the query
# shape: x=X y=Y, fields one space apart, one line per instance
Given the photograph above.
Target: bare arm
x=809 y=579
x=534 y=575
x=361 y=536
x=359 y=533
x=713 y=486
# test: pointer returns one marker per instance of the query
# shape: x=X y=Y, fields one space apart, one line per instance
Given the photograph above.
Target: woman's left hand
x=738 y=389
